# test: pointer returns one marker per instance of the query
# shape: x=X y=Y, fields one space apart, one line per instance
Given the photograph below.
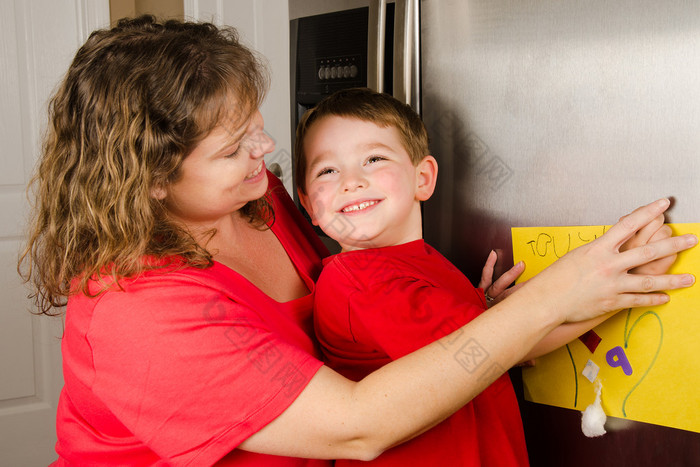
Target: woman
x=189 y=275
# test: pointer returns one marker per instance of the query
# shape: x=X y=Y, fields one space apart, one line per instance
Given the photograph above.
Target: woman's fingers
x=663 y=232
x=640 y=300
x=637 y=283
x=642 y=283
x=632 y=223
x=653 y=251
x=595 y=278
x=654 y=230
x=639 y=290
x=650 y=231
x=661 y=265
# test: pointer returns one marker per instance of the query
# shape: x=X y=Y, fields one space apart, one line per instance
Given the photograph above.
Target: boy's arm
x=562 y=335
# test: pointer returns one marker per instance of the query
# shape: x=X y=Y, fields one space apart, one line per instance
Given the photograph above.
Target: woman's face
x=225 y=171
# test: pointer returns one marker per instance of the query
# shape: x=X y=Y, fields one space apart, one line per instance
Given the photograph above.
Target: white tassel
x=593 y=420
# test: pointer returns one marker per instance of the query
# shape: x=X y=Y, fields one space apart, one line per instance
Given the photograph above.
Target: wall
x=161 y=8
x=302 y=8
x=39 y=38
x=264 y=26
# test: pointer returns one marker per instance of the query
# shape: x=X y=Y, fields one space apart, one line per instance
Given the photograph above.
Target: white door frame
x=39 y=40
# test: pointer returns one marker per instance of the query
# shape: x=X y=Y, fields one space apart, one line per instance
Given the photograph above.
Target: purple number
x=617 y=357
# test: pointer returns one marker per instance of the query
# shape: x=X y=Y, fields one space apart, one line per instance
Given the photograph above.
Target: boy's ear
x=426 y=177
x=304 y=199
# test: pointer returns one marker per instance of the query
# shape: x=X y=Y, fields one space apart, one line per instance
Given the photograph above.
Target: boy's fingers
x=487 y=271
x=663 y=232
x=506 y=279
x=646 y=234
x=630 y=224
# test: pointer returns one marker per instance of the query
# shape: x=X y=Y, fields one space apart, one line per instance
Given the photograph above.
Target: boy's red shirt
x=374 y=306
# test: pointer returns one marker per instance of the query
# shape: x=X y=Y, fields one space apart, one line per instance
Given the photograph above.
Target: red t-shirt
x=179 y=367
x=377 y=305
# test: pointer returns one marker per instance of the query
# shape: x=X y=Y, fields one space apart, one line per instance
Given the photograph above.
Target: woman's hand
x=595 y=278
x=654 y=231
x=499 y=290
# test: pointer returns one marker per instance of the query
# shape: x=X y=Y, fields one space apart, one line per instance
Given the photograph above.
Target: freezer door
x=557 y=113
x=554 y=112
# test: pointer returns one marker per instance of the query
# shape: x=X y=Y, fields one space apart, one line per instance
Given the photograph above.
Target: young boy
x=362 y=170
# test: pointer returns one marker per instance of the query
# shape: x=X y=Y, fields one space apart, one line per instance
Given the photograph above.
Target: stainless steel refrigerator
x=551 y=112
x=556 y=112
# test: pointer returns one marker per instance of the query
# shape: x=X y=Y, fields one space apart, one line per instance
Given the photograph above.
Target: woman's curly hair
x=134 y=103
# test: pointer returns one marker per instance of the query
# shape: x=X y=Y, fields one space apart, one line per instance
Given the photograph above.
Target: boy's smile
x=359 y=206
x=362 y=188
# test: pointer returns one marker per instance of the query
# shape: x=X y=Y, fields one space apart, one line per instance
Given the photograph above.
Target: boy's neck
x=369 y=245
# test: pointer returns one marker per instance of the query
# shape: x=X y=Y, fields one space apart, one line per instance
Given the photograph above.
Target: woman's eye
x=234 y=153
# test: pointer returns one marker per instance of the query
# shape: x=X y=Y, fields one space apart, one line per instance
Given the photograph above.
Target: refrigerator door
x=551 y=112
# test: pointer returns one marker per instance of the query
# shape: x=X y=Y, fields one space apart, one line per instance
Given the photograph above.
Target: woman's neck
x=257 y=255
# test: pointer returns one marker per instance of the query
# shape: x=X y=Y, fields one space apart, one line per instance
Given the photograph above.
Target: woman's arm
x=336 y=418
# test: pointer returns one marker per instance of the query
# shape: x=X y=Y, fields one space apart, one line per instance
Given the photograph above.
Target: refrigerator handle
x=407 y=53
x=376 y=44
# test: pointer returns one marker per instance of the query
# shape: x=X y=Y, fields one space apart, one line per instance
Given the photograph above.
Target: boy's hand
x=499 y=290
x=655 y=230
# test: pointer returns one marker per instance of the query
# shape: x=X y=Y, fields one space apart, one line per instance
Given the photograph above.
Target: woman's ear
x=426 y=177
x=158 y=192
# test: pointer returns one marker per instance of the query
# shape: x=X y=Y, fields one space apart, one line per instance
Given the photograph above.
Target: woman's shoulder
x=168 y=278
x=163 y=300
x=215 y=276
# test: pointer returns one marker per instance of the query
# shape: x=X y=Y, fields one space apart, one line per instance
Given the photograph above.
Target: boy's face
x=361 y=187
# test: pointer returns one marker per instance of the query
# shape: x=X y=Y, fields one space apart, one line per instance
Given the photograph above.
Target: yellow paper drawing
x=646 y=358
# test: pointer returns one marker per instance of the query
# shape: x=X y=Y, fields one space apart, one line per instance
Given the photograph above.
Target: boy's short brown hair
x=367 y=105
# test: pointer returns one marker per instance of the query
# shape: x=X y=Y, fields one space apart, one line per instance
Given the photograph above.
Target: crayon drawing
x=645 y=358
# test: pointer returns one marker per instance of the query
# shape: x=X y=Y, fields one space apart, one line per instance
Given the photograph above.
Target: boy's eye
x=373 y=159
x=325 y=171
